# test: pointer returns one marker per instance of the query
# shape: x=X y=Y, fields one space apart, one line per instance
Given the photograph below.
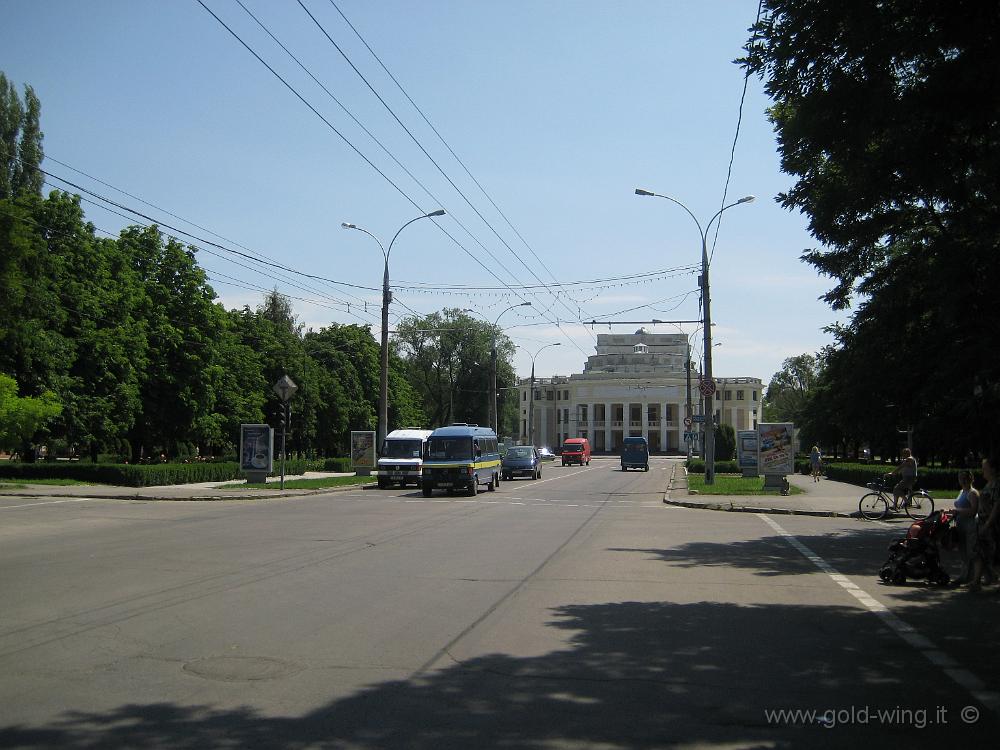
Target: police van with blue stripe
x=461 y=457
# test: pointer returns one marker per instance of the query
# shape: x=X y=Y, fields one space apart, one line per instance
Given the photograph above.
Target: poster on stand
x=746 y=452
x=256 y=448
x=362 y=450
x=776 y=449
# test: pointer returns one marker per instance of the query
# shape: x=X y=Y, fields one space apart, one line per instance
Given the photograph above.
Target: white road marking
x=50 y=502
x=963 y=677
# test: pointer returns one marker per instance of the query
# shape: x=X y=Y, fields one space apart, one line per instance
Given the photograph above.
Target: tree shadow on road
x=634 y=675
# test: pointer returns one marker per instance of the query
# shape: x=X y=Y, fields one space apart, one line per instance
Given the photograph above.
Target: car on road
x=546 y=454
x=635 y=454
x=576 y=451
x=521 y=461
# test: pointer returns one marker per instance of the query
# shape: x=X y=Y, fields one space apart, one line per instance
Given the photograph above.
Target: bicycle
x=917 y=503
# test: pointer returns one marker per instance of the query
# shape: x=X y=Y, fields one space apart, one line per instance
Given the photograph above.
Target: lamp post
x=708 y=384
x=494 y=412
x=383 y=392
x=531 y=395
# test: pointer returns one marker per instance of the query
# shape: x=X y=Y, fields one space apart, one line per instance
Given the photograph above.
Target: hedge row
x=337 y=464
x=138 y=475
x=697 y=466
x=862 y=474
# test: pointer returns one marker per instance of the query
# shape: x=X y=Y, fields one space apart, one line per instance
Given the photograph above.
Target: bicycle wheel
x=919 y=505
x=873 y=506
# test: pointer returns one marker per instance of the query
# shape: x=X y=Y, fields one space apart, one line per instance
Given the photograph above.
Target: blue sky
x=558 y=109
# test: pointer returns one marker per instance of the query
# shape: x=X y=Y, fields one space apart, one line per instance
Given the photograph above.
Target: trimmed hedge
x=697 y=466
x=927 y=478
x=342 y=464
x=138 y=475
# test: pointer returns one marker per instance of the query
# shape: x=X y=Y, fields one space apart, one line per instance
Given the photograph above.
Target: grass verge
x=731 y=484
x=301 y=484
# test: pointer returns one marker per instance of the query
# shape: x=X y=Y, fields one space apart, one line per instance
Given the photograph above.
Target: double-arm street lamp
x=708 y=383
x=383 y=391
x=494 y=411
x=531 y=395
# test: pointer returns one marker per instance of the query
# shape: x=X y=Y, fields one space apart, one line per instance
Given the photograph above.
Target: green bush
x=137 y=475
x=337 y=464
x=697 y=466
x=928 y=479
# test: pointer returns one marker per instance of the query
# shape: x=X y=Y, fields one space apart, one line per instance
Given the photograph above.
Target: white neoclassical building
x=635 y=385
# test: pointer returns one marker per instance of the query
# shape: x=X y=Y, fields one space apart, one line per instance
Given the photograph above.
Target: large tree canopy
x=888 y=116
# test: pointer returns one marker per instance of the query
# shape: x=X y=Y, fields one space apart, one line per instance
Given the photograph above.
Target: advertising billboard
x=363 y=450
x=746 y=452
x=776 y=449
x=256 y=448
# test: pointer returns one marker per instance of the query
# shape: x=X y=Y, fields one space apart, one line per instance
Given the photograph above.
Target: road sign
x=699 y=418
x=707 y=387
x=690 y=437
x=687 y=421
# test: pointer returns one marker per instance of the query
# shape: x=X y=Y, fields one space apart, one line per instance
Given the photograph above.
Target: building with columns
x=635 y=385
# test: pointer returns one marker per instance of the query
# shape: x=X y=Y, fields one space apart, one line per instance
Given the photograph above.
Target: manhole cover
x=241 y=668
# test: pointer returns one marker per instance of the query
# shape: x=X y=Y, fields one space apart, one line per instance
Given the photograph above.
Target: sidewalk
x=198 y=491
x=823 y=498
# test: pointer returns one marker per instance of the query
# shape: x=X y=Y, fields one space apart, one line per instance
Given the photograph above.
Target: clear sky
x=558 y=109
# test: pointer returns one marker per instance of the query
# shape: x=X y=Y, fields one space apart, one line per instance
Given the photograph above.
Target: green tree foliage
x=448 y=360
x=725 y=442
x=789 y=388
x=20 y=141
x=21 y=418
x=886 y=115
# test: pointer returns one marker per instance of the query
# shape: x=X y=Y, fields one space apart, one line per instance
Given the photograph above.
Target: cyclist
x=907 y=472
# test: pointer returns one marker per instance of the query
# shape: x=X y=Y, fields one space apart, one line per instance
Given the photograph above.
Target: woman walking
x=988 y=520
x=815 y=459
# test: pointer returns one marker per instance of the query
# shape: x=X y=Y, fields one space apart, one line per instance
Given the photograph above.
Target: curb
x=767 y=511
x=218 y=498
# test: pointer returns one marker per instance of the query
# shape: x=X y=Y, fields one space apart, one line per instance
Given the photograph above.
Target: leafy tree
x=725 y=442
x=21 y=418
x=789 y=388
x=886 y=115
x=448 y=361
x=20 y=141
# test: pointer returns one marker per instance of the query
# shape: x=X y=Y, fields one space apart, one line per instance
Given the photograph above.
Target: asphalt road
x=578 y=611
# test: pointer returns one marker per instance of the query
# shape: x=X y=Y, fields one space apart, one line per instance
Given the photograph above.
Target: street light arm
x=439 y=212
x=745 y=199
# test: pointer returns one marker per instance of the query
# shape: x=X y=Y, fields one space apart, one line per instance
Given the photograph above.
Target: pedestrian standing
x=966 y=507
x=988 y=526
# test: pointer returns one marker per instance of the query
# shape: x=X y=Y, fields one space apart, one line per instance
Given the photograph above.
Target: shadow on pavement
x=636 y=675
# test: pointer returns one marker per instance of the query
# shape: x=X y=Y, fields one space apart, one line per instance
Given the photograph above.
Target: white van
x=401 y=459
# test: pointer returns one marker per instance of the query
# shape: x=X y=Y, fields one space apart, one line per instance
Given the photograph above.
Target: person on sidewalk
x=988 y=527
x=966 y=507
x=815 y=461
x=907 y=472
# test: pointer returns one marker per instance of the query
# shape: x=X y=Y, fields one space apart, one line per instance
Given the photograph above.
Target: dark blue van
x=461 y=457
x=635 y=453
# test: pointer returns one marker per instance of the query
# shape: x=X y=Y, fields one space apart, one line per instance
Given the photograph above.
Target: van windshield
x=450 y=448
x=397 y=448
x=572 y=448
x=524 y=452
x=635 y=448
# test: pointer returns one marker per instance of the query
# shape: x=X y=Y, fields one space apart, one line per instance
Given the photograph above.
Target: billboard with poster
x=746 y=452
x=776 y=449
x=256 y=448
x=362 y=450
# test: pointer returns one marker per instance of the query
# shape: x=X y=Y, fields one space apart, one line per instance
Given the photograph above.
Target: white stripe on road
x=49 y=502
x=966 y=679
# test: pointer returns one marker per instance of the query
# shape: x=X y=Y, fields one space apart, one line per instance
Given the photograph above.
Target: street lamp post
x=494 y=411
x=531 y=395
x=383 y=391
x=707 y=322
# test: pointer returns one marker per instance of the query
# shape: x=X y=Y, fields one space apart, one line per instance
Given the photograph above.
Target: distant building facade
x=635 y=385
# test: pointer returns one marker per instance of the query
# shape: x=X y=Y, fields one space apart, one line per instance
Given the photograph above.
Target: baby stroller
x=917 y=555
